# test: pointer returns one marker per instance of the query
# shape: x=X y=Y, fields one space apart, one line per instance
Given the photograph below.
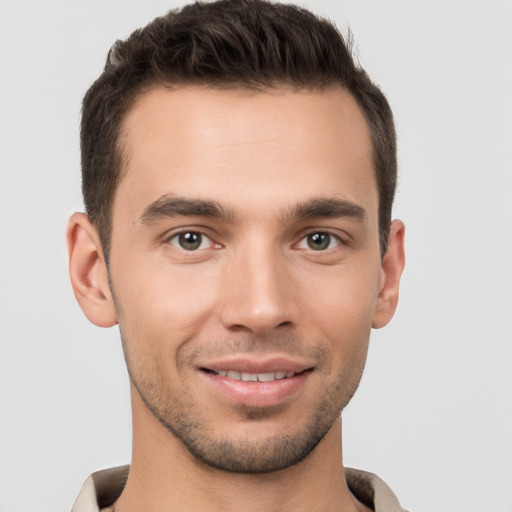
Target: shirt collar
x=103 y=488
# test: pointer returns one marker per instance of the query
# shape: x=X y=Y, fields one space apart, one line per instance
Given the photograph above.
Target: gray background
x=433 y=415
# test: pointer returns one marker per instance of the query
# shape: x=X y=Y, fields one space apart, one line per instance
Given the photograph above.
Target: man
x=238 y=176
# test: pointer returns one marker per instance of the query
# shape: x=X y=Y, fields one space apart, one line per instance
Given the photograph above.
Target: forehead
x=235 y=144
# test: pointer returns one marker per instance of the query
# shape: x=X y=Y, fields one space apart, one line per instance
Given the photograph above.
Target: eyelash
x=331 y=237
x=203 y=238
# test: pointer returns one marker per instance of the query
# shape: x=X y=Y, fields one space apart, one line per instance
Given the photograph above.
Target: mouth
x=254 y=377
x=255 y=384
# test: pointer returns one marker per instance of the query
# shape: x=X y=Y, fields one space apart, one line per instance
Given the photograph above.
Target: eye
x=319 y=241
x=191 y=241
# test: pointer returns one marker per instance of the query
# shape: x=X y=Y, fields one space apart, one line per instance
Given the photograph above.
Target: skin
x=280 y=167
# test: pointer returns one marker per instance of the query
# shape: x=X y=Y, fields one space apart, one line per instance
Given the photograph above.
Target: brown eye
x=190 y=241
x=319 y=241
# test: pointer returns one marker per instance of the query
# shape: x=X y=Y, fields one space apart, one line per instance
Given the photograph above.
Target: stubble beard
x=243 y=454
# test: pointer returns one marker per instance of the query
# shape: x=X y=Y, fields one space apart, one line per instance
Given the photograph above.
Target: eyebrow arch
x=326 y=207
x=169 y=206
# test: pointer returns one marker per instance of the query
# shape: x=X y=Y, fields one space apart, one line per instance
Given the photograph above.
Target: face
x=245 y=267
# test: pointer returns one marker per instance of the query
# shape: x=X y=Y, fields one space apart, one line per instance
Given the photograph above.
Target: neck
x=164 y=476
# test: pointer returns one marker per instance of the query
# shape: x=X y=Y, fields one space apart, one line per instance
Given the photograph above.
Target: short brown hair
x=252 y=44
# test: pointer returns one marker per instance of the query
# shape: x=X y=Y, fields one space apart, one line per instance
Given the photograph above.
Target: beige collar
x=103 y=488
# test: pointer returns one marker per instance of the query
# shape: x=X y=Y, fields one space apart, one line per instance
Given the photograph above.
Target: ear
x=391 y=271
x=88 y=271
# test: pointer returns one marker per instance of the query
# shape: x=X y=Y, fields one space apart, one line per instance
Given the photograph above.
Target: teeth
x=255 y=377
x=266 y=377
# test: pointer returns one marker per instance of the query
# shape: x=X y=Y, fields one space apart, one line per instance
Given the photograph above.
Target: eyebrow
x=326 y=208
x=169 y=206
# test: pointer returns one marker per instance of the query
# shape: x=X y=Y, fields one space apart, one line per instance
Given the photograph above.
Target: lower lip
x=258 y=394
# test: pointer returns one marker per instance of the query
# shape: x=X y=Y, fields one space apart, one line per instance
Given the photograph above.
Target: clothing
x=103 y=488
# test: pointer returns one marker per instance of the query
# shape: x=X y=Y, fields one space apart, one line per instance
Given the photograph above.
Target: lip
x=252 y=365
x=257 y=394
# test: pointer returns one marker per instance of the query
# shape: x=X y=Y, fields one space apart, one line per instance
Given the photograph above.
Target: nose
x=259 y=294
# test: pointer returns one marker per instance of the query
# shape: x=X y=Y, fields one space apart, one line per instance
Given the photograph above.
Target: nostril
x=240 y=328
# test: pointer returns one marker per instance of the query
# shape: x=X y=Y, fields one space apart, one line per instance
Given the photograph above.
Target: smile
x=255 y=377
x=256 y=387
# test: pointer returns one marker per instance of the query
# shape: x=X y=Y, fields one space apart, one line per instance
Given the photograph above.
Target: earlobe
x=88 y=272
x=391 y=271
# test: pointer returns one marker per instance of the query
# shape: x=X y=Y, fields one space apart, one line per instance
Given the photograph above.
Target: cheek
x=342 y=303
x=341 y=316
x=165 y=304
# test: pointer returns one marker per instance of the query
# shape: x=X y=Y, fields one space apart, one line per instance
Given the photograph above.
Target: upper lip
x=253 y=365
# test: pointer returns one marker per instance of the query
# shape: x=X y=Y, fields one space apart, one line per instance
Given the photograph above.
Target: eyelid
x=175 y=233
x=335 y=234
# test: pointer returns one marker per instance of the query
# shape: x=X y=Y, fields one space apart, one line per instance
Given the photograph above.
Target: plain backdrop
x=433 y=415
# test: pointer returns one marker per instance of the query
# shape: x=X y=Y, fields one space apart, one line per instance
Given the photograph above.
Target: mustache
x=285 y=345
